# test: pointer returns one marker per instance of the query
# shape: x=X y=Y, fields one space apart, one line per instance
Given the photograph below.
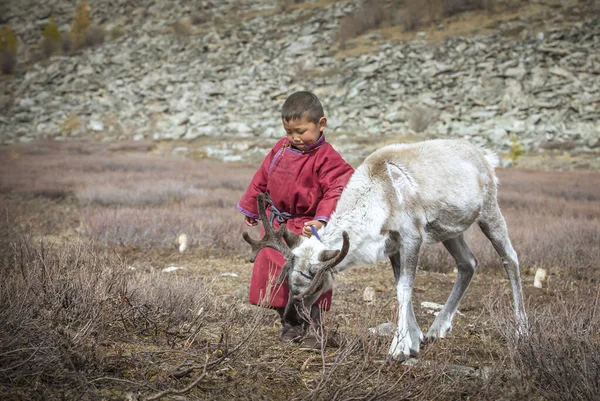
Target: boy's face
x=302 y=133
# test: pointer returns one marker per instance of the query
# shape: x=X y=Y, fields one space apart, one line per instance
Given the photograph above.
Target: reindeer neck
x=361 y=213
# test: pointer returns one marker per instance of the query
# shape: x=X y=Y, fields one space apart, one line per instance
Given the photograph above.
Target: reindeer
x=401 y=197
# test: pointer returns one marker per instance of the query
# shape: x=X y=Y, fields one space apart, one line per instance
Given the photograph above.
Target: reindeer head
x=309 y=266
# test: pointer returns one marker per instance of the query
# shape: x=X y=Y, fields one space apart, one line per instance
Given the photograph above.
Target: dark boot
x=315 y=339
x=290 y=332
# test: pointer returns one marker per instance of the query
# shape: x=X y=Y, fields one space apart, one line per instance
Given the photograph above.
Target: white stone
x=171 y=269
x=540 y=277
x=96 y=125
x=384 y=329
x=369 y=294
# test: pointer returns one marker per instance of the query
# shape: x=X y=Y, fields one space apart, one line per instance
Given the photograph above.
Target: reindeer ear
x=285 y=270
x=326 y=255
x=401 y=180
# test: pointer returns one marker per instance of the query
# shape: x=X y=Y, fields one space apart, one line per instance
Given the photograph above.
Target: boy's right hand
x=250 y=221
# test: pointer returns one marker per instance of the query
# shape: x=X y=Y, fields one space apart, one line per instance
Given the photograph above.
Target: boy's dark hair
x=302 y=105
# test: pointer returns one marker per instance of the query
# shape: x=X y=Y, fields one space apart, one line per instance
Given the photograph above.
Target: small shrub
x=94 y=36
x=286 y=4
x=66 y=44
x=182 y=29
x=515 y=150
x=116 y=32
x=8 y=49
x=50 y=38
x=419 y=12
x=370 y=16
x=561 y=354
x=6 y=103
x=70 y=125
x=421 y=117
x=81 y=22
x=198 y=18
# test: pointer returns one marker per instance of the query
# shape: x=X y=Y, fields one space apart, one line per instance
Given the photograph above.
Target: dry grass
x=414 y=14
x=76 y=320
x=135 y=200
x=553 y=221
x=561 y=355
x=369 y=16
x=91 y=316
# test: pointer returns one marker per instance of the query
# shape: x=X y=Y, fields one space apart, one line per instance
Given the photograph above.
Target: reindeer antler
x=325 y=267
x=273 y=238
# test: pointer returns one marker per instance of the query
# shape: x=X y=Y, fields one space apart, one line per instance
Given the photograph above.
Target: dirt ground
x=545 y=210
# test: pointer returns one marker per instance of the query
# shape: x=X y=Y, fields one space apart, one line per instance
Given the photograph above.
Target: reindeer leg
x=466 y=264
x=414 y=330
x=493 y=225
x=408 y=337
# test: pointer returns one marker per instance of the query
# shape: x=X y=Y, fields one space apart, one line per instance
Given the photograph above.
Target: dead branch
x=184 y=390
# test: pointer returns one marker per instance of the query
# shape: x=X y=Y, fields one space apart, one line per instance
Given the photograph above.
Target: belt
x=279 y=215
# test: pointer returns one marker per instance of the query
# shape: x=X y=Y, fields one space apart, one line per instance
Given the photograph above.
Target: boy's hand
x=307 y=232
x=251 y=221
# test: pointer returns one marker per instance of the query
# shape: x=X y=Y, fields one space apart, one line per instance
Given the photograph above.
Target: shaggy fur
x=401 y=197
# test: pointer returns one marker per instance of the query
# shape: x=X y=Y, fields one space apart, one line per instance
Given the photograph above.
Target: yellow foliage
x=81 y=22
x=51 y=31
x=70 y=125
x=8 y=40
x=515 y=150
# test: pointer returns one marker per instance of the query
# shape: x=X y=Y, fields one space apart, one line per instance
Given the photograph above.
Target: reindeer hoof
x=400 y=359
x=428 y=340
x=395 y=360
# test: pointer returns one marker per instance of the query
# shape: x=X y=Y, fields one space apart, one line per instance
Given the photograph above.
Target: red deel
x=306 y=185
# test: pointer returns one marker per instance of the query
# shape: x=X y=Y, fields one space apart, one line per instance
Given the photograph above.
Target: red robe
x=305 y=184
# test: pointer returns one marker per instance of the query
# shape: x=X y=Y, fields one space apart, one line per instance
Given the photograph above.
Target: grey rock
x=180 y=118
x=230 y=79
x=96 y=125
x=238 y=128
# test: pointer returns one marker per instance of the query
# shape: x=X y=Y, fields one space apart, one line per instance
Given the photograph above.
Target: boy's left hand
x=306 y=231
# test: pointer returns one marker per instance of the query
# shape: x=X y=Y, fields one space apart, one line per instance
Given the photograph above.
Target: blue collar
x=315 y=233
x=308 y=276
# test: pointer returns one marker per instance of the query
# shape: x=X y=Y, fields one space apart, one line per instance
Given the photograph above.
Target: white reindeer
x=401 y=197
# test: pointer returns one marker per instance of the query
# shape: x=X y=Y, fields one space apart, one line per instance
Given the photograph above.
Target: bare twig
x=184 y=390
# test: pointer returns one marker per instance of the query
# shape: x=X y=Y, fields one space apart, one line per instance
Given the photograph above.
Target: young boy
x=304 y=176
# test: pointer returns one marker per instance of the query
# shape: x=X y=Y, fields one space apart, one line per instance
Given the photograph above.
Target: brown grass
x=369 y=16
x=87 y=313
x=562 y=353
x=135 y=200
x=553 y=221
x=68 y=311
x=414 y=14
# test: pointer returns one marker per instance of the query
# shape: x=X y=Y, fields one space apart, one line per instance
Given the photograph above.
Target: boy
x=305 y=177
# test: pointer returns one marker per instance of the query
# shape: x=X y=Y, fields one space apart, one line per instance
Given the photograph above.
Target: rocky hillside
x=526 y=81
